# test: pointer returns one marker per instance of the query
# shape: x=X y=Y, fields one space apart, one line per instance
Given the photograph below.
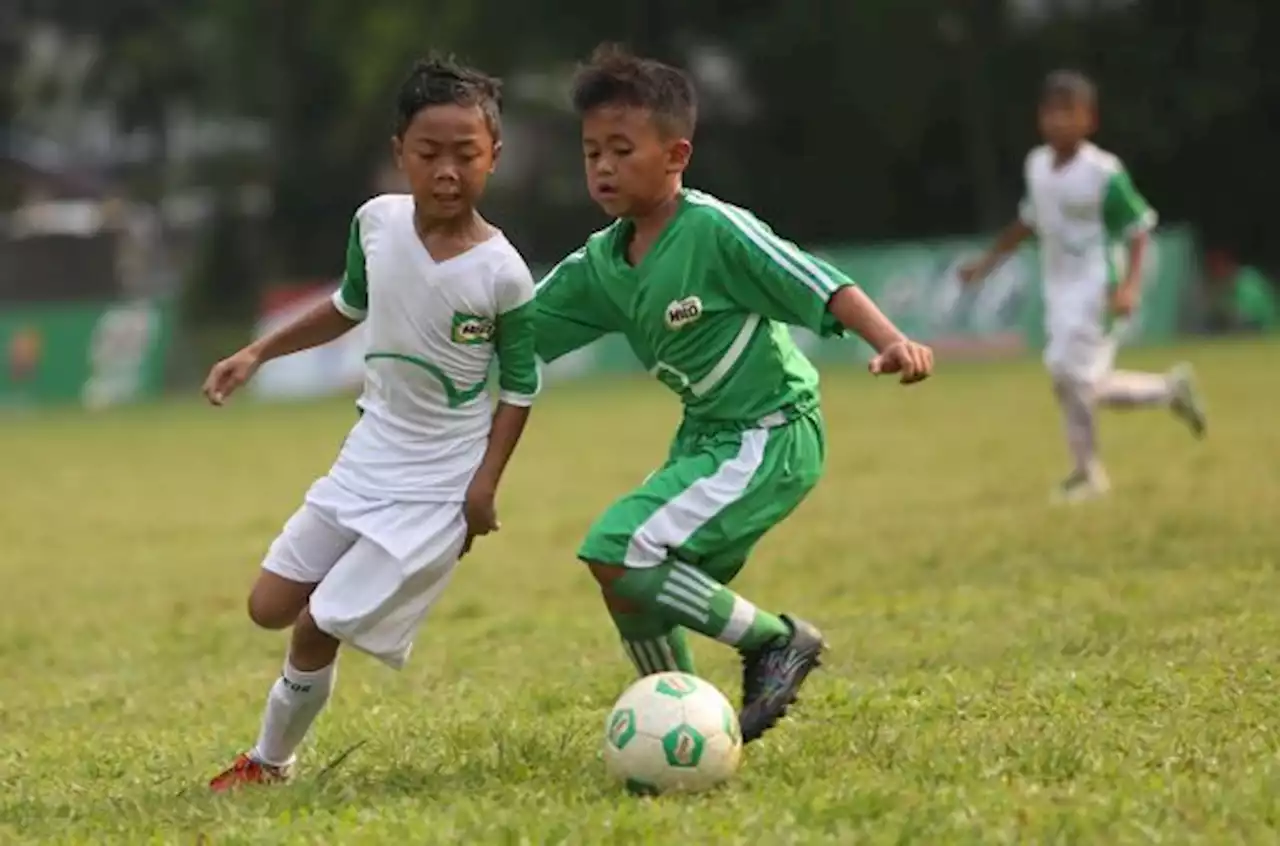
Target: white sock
x=295 y=701
x=1127 y=389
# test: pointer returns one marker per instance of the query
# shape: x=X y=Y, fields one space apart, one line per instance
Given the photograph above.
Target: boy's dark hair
x=440 y=81
x=1071 y=86
x=616 y=77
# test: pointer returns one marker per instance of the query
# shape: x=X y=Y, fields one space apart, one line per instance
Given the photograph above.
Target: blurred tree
x=877 y=119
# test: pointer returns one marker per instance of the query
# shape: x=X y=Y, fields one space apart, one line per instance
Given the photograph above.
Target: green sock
x=689 y=597
x=653 y=644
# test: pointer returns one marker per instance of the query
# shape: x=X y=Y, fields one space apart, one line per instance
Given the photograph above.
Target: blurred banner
x=918 y=287
x=915 y=283
x=94 y=354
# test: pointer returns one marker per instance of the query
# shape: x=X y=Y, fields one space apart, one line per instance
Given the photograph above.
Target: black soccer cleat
x=772 y=677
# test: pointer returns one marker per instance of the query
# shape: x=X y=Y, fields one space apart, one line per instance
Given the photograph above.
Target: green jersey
x=705 y=311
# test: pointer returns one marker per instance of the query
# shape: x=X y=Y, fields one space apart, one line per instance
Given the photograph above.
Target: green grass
x=1001 y=671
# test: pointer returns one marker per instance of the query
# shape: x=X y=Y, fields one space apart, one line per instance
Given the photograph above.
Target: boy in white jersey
x=442 y=291
x=1079 y=200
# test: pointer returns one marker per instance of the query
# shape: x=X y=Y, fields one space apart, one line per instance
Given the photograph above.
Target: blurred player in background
x=442 y=290
x=703 y=291
x=1079 y=200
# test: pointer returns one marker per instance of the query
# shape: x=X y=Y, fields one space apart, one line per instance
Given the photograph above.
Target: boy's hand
x=480 y=512
x=913 y=361
x=1125 y=298
x=229 y=374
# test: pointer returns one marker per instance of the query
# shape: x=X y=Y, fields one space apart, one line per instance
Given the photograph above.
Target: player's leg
x=778 y=651
x=308 y=547
x=652 y=643
x=1077 y=356
x=628 y=546
x=773 y=674
x=375 y=600
x=369 y=599
x=1175 y=390
x=722 y=489
x=298 y=696
x=1088 y=477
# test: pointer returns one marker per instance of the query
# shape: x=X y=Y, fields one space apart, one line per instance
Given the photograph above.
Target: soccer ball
x=672 y=732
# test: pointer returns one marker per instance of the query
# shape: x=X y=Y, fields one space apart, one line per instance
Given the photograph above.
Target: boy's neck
x=468 y=224
x=1064 y=155
x=650 y=222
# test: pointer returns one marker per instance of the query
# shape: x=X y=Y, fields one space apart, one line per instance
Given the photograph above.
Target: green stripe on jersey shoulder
x=782 y=252
x=455 y=396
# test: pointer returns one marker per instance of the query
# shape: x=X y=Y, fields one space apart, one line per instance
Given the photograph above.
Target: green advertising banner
x=97 y=355
x=917 y=285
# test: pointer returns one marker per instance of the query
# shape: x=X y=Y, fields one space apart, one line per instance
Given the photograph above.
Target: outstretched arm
x=860 y=315
x=1009 y=239
x=895 y=352
x=322 y=323
x=778 y=280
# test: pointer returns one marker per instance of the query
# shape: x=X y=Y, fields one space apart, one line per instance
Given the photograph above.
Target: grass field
x=1001 y=671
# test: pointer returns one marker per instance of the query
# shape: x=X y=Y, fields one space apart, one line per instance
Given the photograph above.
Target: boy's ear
x=397 y=151
x=679 y=152
x=497 y=152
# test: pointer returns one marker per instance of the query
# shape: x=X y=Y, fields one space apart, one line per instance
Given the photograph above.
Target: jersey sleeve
x=774 y=278
x=518 y=379
x=1125 y=212
x=352 y=297
x=567 y=314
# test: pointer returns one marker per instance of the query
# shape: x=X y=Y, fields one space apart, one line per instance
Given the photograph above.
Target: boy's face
x=447 y=153
x=1065 y=121
x=630 y=162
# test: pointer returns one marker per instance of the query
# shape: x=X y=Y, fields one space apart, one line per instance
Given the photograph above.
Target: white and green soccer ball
x=672 y=732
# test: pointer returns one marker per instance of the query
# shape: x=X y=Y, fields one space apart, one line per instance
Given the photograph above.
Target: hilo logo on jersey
x=683 y=312
x=470 y=329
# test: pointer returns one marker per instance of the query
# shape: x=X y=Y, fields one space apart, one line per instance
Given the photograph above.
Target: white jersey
x=1079 y=210
x=433 y=331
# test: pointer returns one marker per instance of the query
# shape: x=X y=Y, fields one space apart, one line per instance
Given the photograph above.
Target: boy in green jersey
x=703 y=292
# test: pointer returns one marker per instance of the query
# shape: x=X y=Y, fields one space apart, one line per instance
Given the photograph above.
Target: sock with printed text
x=293 y=704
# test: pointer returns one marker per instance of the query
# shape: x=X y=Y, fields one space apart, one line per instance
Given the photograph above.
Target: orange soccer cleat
x=247 y=770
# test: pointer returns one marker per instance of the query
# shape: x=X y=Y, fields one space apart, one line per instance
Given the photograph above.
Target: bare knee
x=275 y=602
x=605 y=575
x=265 y=614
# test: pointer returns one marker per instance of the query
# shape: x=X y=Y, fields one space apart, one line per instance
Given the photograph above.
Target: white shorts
x=1081 y=347
x=1080 y=353
x=378 y=566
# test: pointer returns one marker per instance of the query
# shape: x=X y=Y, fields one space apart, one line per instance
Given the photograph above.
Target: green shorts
x=720 y=491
